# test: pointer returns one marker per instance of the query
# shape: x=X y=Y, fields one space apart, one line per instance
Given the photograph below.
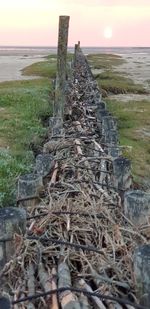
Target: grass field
x=23 y=106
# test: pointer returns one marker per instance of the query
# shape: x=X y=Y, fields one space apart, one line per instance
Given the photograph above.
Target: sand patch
x=130 y=97
x=11 y=66
x=97 y=71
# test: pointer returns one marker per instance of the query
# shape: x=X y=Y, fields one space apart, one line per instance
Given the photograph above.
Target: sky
x=93 y=22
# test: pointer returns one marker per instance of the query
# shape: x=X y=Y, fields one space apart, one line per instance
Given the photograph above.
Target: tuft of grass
x=11 y=166
x=43 y=68
x=133 y=117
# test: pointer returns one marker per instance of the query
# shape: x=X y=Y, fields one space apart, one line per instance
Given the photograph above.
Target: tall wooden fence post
x=61 y=66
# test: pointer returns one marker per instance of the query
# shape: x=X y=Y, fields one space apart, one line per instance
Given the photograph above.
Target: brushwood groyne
x=79 y=236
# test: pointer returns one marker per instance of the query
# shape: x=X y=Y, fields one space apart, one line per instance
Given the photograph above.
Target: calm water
x=86 y=50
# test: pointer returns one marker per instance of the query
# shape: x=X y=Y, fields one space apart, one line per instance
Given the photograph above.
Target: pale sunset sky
x=93 y=22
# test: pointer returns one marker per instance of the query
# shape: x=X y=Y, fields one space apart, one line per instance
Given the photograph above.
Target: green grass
x=104 y=61
x=45 y=68
x=22 y=105
x=133 y=116
x=114 y=83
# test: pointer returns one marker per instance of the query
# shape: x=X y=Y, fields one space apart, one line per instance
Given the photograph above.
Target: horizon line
x=84 y=46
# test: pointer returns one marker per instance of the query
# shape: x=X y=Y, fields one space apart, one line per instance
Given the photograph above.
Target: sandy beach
x=12 y=62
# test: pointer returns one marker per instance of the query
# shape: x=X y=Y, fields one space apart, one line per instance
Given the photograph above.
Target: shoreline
x=136 y=67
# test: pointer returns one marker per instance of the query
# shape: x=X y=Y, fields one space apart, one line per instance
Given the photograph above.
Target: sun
x=108 y=33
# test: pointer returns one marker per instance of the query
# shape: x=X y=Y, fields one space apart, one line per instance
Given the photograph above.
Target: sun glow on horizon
x=36 y=21
x=108 y=33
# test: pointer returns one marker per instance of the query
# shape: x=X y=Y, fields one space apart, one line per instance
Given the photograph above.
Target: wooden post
x=12 y=221
x=113 y=151
x=111 y=137
x=121 y=177
x=137 y=206
x=29 y=188
x=56 y=126
x=142 y=274
x=61 y=66
x=5 y=302
x=44 y=165
x=75 y=54
x=62 y=48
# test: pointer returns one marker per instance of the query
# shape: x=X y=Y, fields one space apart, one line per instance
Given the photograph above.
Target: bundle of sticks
x=77 y=236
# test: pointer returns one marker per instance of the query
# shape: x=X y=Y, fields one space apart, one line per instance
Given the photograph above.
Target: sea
x=8 y=50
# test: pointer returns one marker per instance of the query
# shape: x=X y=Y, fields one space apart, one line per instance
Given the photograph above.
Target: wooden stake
x=31 y=284
x=54 y=175
x=68 y=299
x=54 y=287
x=61 y=66
x=45 y=282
